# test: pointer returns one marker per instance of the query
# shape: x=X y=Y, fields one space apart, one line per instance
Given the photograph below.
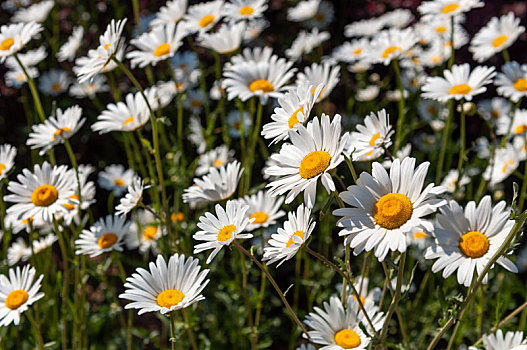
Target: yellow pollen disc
x=16 y=298
x=44 y=195
x=217 y=163
x=60 y=131
x=107 y=240
x=290 y=242
x=390 y=50
x=261 y=85
x=175 y=217
x=236 y=125
x=361 y=299
x=161 y=50
x=150 y=232
x=2 y=168
x=226 y=233
x=71 y=206
x=314 y=164
x=506 y=165
x=27 y=221
x=436 y=59
x=420 y=235
x=500 y=40
x=374 y=138
x=169 y=298
x=369 y=153
x=129 y=120
x=293 y=120
x=520 y=129
x=259 y=217
x=56 y=87
x=432 y=110
x=440 y=29
x=474 y=244
x=206 y=20
x=450 y=8
x=321 y=92
x=460 y=89
x=357 y=51
x=107 y=46
x=246 y=10
x=195 y=103
x=392 y=210
x=119 y=182
x=6 y=44
x=495 y=114
x=520 y=84
x=347 y=339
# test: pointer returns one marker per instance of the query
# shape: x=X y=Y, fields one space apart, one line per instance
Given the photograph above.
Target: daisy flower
x=418 y=237
x=254 y=29
x=16 y=225
x=512 y=82
x=98 y=60
x=369 y=93
x=17 y=293
x=68 y=50
x=17 y=77
x=262 y=79
x=29 y=59
x=18 y=251
x=89 y=89
x=220 y=230
x=166 y=288
x=303 y=10
x=225 y=40
x=156 y=45
x=35 y=13
x=506 y=160
x=235 y=124
x=305 y=42
x=172 y=12
x=452 y=179
x=43 y=243
x=323 y=17
x=401 y=154
x=447 y=8
x=391 y=44
x=494 y=109
x=369 y=142
x=203 y=16
x=398 y=18
x=185 y=65
x=496 y=36
x=284 y=244
x=56 y=129
x=14 y=37
x=518 y=126
x=351 y=51
x=7 y=159
x=236 y=10
x=85 y=198
x=128 y=116
x=315 y=74
x=264 y=209
x=385 y=208
x=132 y=198
x=295 y=108
x=194 y=101
x=458 y=83
x=509 y=341
x=215 y=158
x=105 y=235
x=338 y=327
x=145 y=232
x=466 y=241
x=364 y=28
x=313 y=152
x=196 y=135
x=217 y=185
x=115 y=178
x=43 y=193
x=54 y=82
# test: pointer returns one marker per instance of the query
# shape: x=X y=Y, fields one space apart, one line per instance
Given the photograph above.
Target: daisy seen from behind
x=105 y=235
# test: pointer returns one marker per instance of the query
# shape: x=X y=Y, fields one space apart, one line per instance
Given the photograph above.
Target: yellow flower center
x=441 y=29
x=520 y=84
x=169 y=298
x=294 y=120
x=420 y=235
x=27 y=221
x=44 y=195
x=107 y=46
x=6 y=44
x=261 y=85
x=2 y=168
x=314 y=164
x=217 y=163
x=460 y=89
x=206 y=20
x=150 y=232
x=161 y=50
x=246 y=10
x=16 y=298
x=506 y=165
x=71 y=206
x=119 y=182
x=347 y=339
x=290 y=242
x=175 y=217
x=129 y=120
x=374 y=138
x=500 y=40
x=259 y=217
x=357 y=51
x=107 y=240
x=361 y=299
x=60 y=131
x=390 y=50
x=520 y=129
x=449 y=8
x=392 y=210
x=474 y=244
x=226 y=233
x=56 y=87
x=437 y=59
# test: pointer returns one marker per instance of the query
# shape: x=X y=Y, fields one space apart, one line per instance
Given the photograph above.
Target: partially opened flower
x=316 y=74
x=132 y=198
x=166 y=288
x=7 y=159
x=305 y=42
x=303 y=10
x=105 y=235
x=35 y=13
x=17 y=293
x=14 y=37
x=172 y=12
x=68 y=50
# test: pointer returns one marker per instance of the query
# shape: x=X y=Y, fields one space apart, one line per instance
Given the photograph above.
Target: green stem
x=34 y=92
x=172 y=339
x=396 y=298
x=189 y=331
x=65 y=284
x=399 y=138
x=444 y=143
x=463 y=136
x=452 y=50
x=36 y=328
